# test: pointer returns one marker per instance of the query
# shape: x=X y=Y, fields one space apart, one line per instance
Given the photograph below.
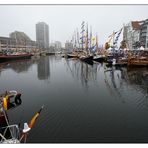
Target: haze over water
x=82 y=103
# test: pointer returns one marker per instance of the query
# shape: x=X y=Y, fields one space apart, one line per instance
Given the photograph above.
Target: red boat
x=4 y=58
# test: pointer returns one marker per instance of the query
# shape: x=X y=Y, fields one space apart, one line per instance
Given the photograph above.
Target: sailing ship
x=86 y=55
x=75 y=42
x=99 y=56
x=116 y=57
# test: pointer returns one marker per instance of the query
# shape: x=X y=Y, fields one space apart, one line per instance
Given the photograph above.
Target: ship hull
x=87 y=59
x=5 y=58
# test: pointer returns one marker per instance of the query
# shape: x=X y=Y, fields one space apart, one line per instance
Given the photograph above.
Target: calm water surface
x=82 y=103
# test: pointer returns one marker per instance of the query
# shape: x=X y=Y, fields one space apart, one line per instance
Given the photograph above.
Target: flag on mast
x=117 y=37
x=32 y=121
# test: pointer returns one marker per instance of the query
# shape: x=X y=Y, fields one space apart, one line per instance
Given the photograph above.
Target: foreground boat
x=13 y=134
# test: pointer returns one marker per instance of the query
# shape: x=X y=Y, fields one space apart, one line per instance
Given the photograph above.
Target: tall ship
x=86 y=55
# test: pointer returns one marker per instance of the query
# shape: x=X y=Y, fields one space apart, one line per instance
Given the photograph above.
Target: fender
x=18 y=99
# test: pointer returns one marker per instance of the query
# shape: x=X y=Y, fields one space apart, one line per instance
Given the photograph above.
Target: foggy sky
x=64 y=19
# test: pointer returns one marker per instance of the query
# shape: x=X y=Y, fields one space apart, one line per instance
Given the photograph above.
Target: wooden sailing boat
x=86 y=55
x=74 y=54
x=98 y=56
x=138 y=61
x=116 y=59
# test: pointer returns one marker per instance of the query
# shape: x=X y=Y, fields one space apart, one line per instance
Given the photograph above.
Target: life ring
x=17 y=99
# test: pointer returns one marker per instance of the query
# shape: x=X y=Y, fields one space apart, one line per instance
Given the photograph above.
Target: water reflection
x=137 y=77
x=43 y=68
x=138 y=80
x=113 y=82
x=130 y=85
x=20 y=66
x=83 y=103
x=82 y=71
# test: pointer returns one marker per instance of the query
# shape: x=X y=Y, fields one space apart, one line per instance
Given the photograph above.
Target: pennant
x=31 y=123
x=117 y=37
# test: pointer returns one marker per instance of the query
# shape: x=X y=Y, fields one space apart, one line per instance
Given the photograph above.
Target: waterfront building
x=42 y=35
x=132 y=34
x=22 y=40
x=144 y=34
x=68 y=46
x=6 y=43
x=57 y=46
x=17 y=41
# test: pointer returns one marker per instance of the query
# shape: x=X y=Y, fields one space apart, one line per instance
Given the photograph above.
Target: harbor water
x=82 y=103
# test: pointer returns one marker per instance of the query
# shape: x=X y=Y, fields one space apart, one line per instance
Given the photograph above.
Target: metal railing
x=10 y=132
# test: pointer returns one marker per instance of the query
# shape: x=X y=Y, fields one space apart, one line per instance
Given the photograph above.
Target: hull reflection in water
x=84 y=103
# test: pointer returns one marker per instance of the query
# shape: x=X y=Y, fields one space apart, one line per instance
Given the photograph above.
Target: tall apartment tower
x=42 y=35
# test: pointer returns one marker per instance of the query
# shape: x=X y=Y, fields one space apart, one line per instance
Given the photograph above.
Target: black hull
x=101 y=59
x=70 y=56
x=109 y=62
x=88 y=60
x=50 y=53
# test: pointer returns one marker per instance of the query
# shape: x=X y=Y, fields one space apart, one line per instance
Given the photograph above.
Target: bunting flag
x=93 y=48
x=83 y=23
x=82 y=30
x=31 y=123
x=117 y=37
x=82 y=42
x=93 y=39
x=93 y=42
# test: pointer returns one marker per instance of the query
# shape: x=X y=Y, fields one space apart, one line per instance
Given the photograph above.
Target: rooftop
x=136 y=25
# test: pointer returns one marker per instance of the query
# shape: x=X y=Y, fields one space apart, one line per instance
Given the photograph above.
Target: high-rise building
x=42 y=35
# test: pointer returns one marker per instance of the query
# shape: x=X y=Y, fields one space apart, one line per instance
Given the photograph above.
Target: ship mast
x=78 y=39
x=82 y=32
x=97 y=49
x=86 y=42
x=90 y=37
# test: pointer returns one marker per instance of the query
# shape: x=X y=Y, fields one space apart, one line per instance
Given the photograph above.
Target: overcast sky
x=64 y=19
